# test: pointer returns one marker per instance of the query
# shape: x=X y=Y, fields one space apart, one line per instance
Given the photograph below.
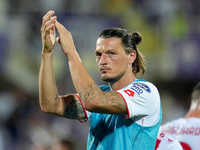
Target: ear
x=132 y=56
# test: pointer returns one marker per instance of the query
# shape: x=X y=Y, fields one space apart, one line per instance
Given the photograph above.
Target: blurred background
x=171 y=43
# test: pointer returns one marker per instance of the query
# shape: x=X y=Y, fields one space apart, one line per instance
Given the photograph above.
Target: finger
x=50 y=27
x=52 y=20
x=49 y=24
x=60 y=27
x=53 y=31
x=58 y=39
x=46 y=18
x=48 y=15
x=57 y=24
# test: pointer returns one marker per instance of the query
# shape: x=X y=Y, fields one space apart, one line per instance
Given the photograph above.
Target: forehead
x=108 y=43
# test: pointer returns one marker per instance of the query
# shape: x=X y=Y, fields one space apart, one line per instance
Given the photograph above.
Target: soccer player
x=126 y=113
x=187 y=130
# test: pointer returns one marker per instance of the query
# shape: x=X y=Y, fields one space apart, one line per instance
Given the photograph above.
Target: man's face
x=111 y=58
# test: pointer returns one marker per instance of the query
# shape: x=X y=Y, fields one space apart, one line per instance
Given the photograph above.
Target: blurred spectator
x=187 y=130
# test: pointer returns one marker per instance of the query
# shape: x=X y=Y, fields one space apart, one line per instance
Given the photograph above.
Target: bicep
x=116 y=103
x=71 y=107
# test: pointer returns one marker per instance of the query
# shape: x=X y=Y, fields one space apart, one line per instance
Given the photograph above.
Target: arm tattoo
x=56 y=97
x=110 y=99
x=114 y=102
x=74 y=110
x=90 y=92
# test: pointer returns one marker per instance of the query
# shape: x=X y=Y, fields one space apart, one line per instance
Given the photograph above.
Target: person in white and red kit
x=187 y=130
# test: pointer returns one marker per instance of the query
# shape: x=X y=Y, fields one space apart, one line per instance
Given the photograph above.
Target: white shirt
x=186 y=131
x=165 y=142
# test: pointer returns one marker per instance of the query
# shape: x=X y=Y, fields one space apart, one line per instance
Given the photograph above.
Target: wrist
x=73 y=55
x=47 y=49
x=44 y=50
x=47 y=53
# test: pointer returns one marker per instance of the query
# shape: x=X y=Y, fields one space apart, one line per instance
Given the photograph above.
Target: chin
x=108 y=79
x=112 y=79
x=105 y=78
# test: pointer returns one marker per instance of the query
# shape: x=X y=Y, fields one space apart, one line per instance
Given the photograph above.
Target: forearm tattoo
x=74 y=110
x=56 y=97
x=89 y=93
x=110 y=99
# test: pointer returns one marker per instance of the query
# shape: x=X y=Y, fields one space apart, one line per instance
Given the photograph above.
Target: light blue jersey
x=116 y=132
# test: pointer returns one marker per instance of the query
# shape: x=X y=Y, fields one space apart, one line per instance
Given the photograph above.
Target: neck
x=192 y=114
x=194 y=110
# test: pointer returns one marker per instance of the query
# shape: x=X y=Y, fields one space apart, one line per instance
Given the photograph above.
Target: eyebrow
x=109 y=50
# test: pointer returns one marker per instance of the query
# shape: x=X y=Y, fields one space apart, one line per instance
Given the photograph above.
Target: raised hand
x=48 y=33
x=65 y=39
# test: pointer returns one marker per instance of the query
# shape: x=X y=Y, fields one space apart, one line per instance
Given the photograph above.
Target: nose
x=103 y=60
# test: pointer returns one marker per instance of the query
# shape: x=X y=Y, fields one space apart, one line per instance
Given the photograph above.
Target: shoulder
x=173 y=126
x=142 y=85
x=139 y=97
x=143 y=88
x=180 y=122
x=192 y=120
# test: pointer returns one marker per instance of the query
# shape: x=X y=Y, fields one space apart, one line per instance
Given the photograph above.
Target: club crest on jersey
x=139 y=87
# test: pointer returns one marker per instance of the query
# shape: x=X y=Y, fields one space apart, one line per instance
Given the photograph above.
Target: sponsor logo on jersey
x=140 y=87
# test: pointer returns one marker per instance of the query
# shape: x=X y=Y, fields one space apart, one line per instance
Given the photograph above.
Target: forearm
x=85 y=86
x=92 y=97
x=48 y=95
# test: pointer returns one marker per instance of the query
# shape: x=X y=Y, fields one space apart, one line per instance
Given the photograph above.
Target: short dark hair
x=129 y=42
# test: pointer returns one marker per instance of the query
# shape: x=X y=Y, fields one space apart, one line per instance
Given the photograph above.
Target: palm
x=49 y=40
x=52 y=36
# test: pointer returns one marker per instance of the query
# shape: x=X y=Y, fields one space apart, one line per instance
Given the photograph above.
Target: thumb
x=58 y=26
x=58 y=40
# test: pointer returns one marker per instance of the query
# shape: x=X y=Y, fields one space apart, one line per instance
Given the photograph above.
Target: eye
x=112 y=53
x=98 y=54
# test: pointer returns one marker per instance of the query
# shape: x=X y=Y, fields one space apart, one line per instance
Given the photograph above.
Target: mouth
x=103 y=70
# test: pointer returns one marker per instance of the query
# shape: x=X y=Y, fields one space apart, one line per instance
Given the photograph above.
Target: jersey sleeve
x=143 y=101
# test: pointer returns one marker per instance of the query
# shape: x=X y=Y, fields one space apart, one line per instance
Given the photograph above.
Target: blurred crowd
x=171 y=33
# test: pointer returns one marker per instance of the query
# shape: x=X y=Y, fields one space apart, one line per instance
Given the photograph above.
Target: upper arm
x=143 y=101
x=70 y=107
